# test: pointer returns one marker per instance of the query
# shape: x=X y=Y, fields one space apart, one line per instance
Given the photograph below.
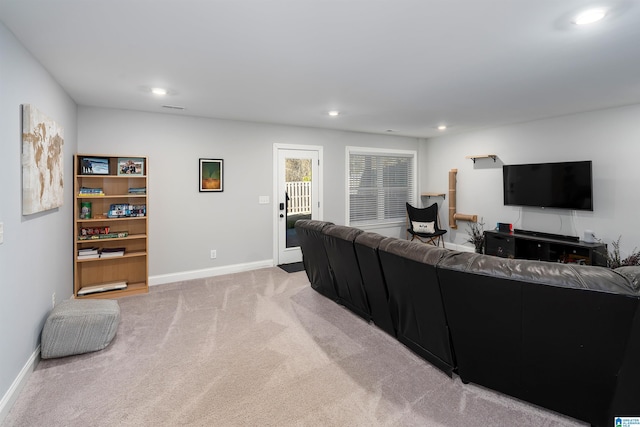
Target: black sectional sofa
x=564 y=337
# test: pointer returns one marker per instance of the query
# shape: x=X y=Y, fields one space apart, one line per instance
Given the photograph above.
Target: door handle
x=281 y=215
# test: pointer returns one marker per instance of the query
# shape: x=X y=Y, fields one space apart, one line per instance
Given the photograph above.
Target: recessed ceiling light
x=590 y=16
x=442 y=127
x=158 y=91
x=334 y=113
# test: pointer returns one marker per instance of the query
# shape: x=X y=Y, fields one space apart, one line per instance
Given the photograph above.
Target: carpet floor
x=259 y=348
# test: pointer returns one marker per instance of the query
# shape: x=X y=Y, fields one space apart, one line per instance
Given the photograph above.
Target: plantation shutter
x=380 y=184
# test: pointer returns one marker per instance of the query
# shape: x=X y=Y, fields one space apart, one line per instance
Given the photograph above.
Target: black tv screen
x=565 y=185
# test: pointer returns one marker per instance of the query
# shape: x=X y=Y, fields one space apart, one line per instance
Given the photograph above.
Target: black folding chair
x=423 y=224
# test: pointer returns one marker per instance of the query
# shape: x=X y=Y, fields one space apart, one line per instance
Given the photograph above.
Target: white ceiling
x=402 y=65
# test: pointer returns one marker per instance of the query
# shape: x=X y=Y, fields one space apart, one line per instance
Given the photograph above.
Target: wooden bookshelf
x=133 y=266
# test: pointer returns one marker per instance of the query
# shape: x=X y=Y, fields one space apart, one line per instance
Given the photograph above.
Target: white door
x=297 y=195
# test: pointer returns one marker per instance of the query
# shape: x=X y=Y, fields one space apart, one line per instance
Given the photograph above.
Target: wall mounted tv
x=565 y=185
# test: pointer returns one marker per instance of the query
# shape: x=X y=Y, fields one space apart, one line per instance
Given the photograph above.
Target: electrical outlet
x=53 y=300
x=213 y=254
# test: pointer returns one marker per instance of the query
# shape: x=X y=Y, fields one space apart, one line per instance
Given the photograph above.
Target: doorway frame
x=275 y=212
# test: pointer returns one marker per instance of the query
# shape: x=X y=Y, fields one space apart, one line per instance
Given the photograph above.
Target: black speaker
x=504 y=227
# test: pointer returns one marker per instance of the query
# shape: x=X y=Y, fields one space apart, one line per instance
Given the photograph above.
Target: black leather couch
x=564 y=337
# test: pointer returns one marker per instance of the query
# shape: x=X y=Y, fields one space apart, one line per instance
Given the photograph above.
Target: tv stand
x=524 y=244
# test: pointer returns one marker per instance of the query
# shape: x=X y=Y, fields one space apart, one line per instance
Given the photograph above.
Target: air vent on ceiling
x=173 y=107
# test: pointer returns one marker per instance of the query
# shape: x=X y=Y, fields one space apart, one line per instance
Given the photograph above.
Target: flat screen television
x=563 y=185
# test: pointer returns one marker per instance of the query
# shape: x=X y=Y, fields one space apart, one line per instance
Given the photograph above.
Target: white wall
x=185 y=224
x=36 y=256
x=607 y=137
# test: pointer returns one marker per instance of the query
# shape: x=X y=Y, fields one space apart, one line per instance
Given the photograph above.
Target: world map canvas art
x=42 y=162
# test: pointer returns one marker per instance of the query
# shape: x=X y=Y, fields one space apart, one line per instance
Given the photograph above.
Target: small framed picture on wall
x=211 y=175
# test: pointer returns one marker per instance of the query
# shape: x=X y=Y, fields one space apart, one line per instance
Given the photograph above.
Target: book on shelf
x=111 y=252
x=105 y=287
x=88 y=191
x=138 y=190
x=126 y=210
x=119 y=234
x=90 y=231
x=87 y=251
x=139 y=210
x=112 y=255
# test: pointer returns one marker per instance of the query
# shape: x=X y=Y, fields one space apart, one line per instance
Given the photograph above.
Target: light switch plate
x=263 y=200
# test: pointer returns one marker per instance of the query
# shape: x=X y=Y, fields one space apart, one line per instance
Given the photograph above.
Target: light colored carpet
x=259 y=348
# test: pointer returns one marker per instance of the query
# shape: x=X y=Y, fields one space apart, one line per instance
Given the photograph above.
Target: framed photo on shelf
x=211 y=175
x=94 y=166
x=130 y=166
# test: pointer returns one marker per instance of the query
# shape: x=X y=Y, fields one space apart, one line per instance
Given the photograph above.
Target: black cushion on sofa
x=574 y=341
x=366 y=245
x=314 y=256
x=483 y=314
x=338 y=241
x=415 y=301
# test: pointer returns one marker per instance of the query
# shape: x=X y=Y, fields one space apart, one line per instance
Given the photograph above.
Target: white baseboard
x=12 y=394
x=161 y=279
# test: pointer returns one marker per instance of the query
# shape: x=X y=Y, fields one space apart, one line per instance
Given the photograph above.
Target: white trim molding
x=162 y=279
x=18 y=384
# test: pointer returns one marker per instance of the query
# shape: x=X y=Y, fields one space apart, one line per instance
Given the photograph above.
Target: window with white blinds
x=379 y=183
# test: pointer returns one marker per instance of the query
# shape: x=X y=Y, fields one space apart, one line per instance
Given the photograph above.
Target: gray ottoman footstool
x=79 y=326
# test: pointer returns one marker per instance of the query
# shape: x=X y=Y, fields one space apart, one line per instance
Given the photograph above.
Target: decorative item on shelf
x=476 y=235
x=94 y=166
x=211 y=175
x=130 y=166
x=85 y=210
